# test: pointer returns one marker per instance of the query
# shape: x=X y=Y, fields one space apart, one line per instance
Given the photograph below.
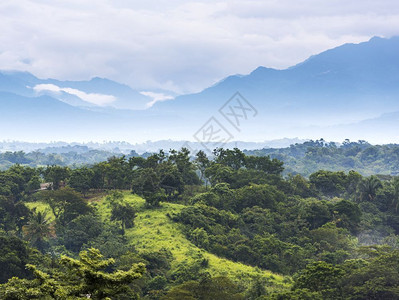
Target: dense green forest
x=230 y=226
x=301 y=158
x=311 y=156
x=74 y=157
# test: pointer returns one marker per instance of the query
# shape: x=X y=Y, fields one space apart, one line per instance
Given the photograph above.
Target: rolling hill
x=153 y=231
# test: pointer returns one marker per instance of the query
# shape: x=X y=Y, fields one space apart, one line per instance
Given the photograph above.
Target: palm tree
x=368 y=188
x=38 y=229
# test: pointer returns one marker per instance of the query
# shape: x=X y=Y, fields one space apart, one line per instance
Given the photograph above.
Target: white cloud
x=97 y=99
x=156 y=97
x=179 y=45
x=47 y=87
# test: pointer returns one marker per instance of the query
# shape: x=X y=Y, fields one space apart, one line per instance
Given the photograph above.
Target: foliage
x=205 y=227
x=82 y=278
x=65 y=203
x=38 y=229
x=207 y=289
x=311 y=156
x=121 y=211
x=14 y=255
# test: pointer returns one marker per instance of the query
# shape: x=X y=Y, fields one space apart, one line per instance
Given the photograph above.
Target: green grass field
x=42 y=207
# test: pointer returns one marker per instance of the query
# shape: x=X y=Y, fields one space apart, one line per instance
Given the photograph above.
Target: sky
x=179 y=46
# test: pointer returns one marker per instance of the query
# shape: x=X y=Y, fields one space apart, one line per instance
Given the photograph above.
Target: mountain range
x=351 y=91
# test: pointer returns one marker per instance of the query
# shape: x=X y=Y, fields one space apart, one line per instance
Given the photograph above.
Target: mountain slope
x=37 y=118
x=44 y=118
x=346 y=84
x=371 y=67
x=76 y=93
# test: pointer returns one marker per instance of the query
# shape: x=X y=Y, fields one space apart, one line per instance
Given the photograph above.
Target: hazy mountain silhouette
x=343 y=92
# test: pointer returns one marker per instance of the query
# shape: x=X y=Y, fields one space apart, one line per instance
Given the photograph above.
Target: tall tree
x=368 y=188
x=202 y=162
x=81 y=179
x=38 y=229
x=55 y=175
x=125 y=213
x=66 y=204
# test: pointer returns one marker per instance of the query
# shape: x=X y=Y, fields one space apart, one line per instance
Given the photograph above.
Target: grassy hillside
x=153 y=231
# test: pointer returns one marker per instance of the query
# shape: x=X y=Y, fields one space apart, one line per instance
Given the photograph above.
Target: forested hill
x=309 y=157
x=300 y=158
x=169 y=227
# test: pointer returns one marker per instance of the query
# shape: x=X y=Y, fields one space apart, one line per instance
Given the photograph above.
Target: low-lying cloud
x=93 y=98
x=156 y=97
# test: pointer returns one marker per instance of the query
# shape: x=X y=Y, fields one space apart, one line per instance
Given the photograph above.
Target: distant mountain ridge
x=73 y=92
x=126 y=148
x=371 y=67
x=349 y=91
x=344 y=85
